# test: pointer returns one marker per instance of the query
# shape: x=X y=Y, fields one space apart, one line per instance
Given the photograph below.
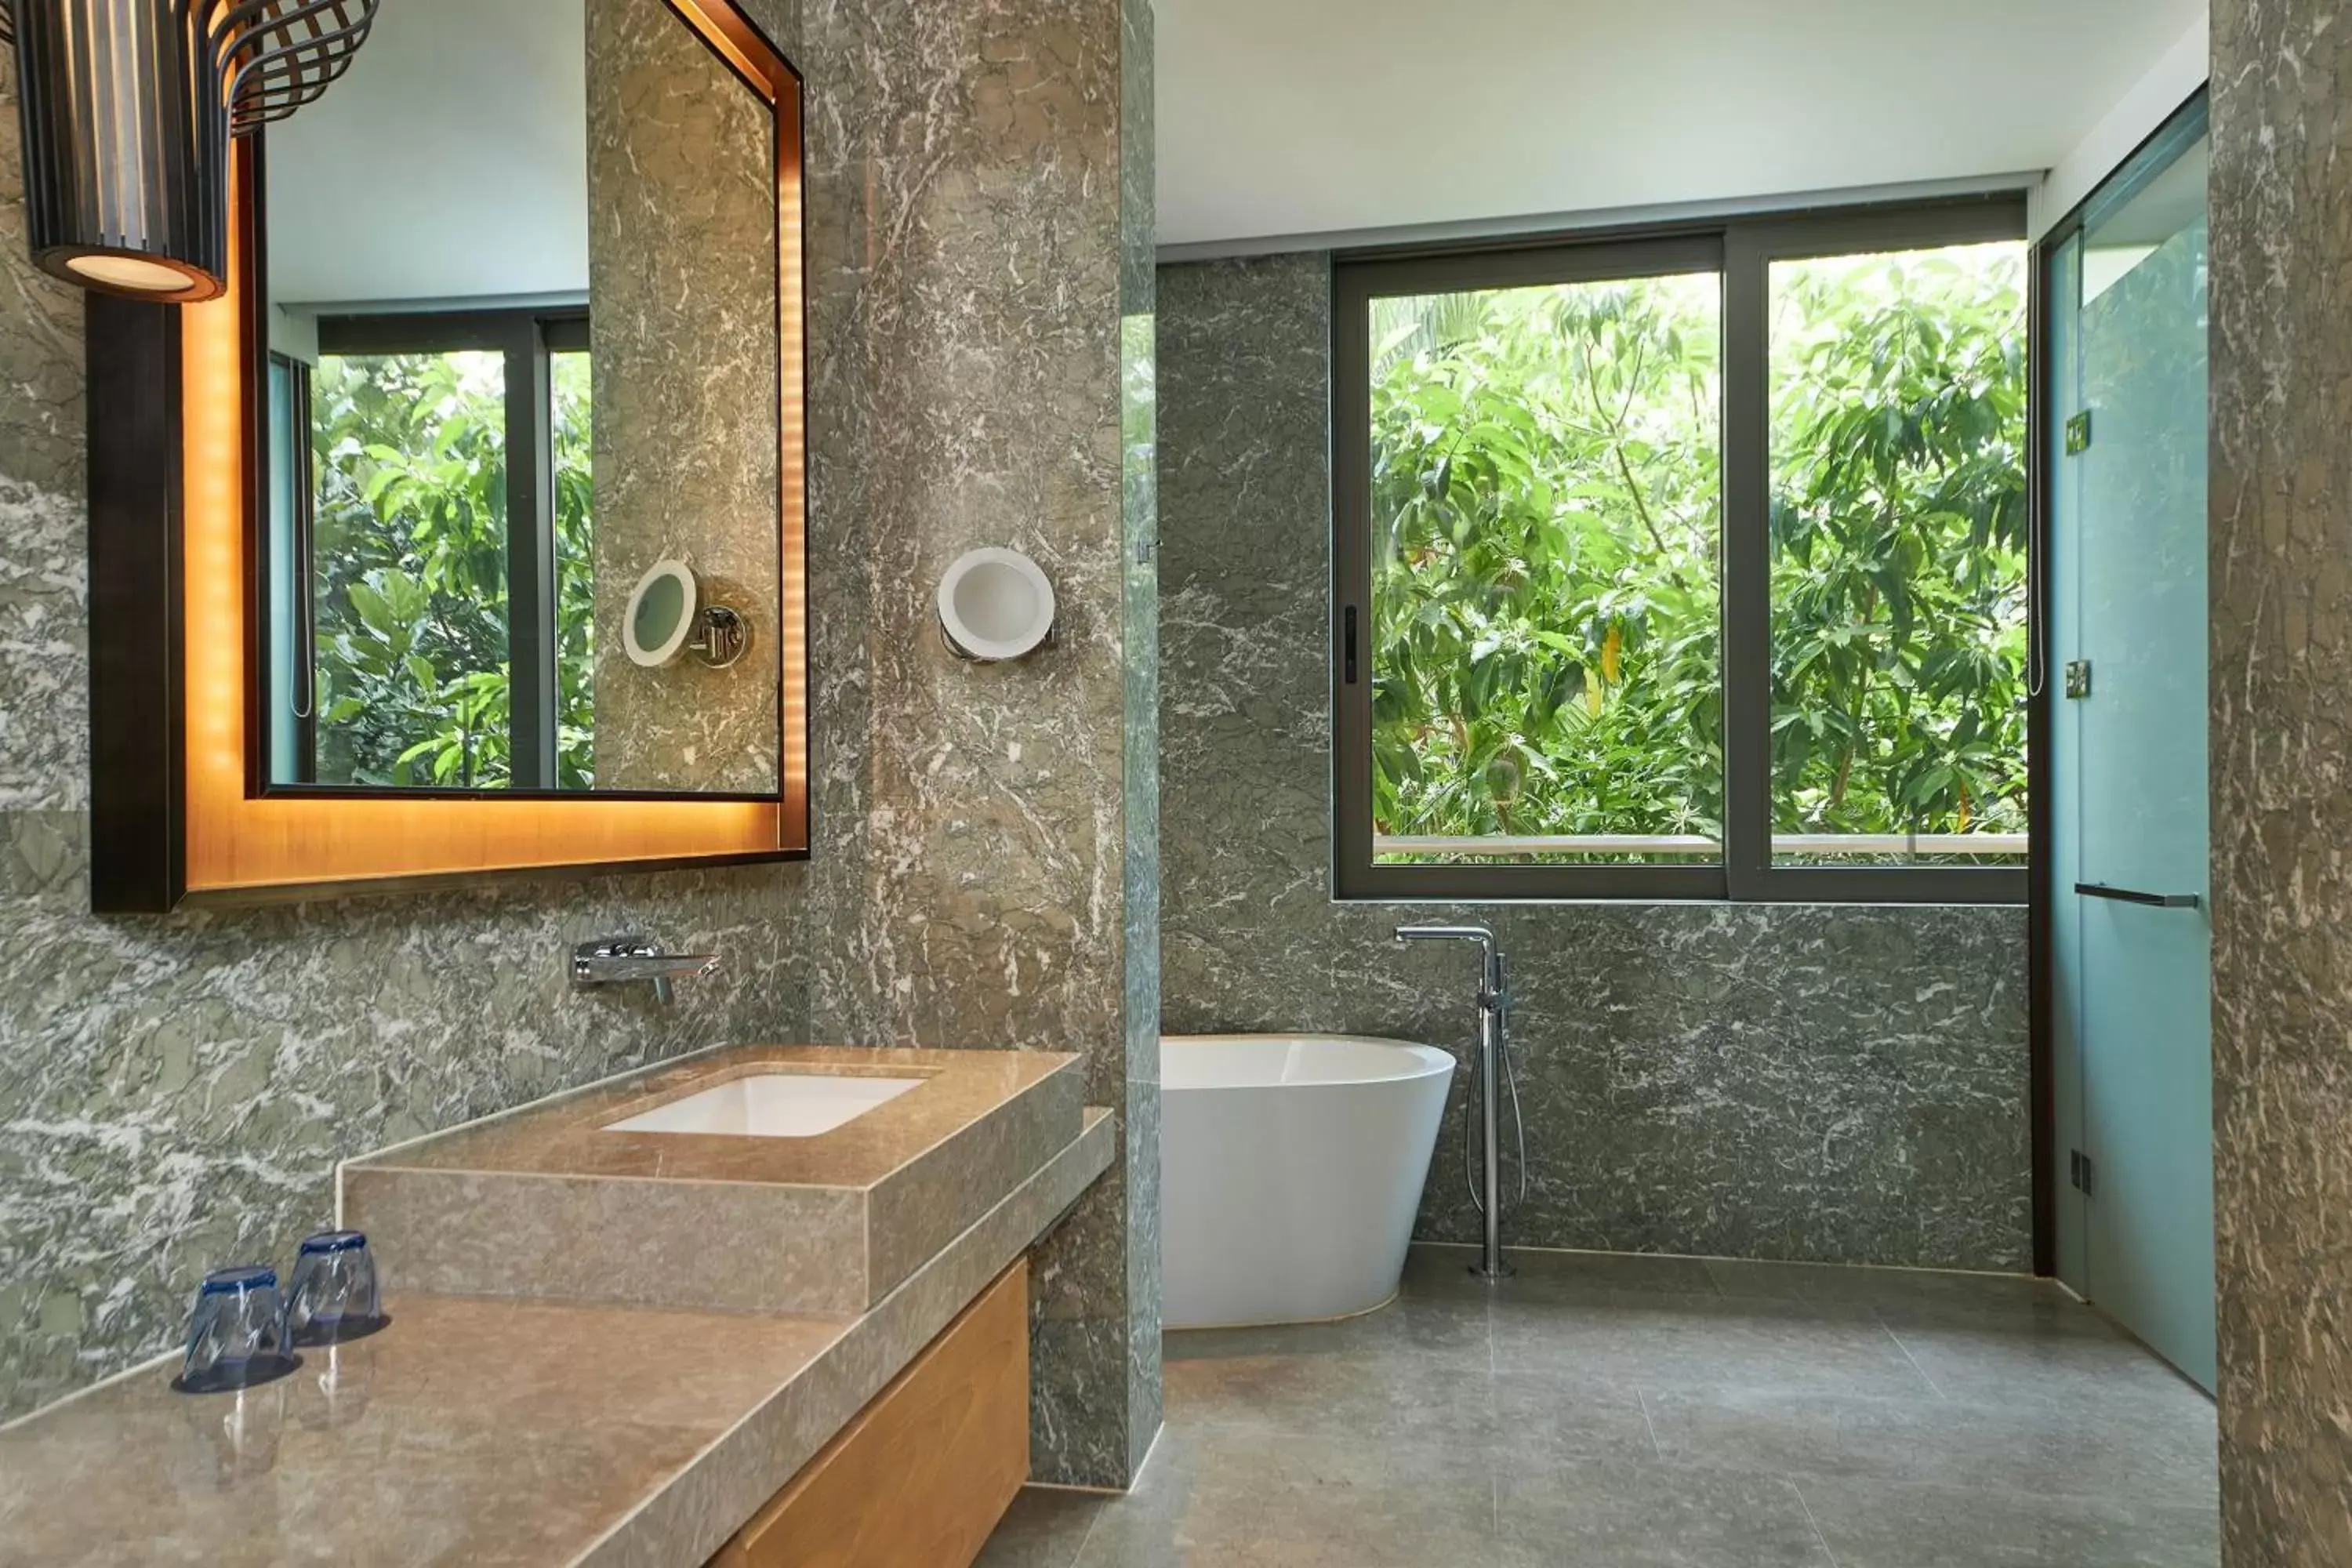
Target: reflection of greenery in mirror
x=575 y=575
x=1546 y=578
x=410 y=569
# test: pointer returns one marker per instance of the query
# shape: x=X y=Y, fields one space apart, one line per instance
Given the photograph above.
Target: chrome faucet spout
x=1493 y=985
x=1479 y=934
x=620 y=959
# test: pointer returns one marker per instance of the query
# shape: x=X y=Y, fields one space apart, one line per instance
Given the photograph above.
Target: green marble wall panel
x=1843 y=1084
x=682 y=288
x=2281 y=591
x=982 y=871
x=1139 y=496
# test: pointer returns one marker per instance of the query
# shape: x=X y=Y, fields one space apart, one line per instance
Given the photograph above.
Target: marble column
x=2281 y=589
x=982 y=875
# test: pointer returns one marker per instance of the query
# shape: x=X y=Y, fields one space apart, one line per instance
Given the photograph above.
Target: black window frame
x=1743 y=251
x=525 y=337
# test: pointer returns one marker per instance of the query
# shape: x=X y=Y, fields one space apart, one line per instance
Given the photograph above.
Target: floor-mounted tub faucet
x=1494 y=1062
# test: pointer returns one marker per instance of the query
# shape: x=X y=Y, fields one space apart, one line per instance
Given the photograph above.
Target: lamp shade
x=128 y=108
x=126 y=146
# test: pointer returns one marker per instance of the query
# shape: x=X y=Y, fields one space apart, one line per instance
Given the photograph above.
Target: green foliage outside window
x=1547 y=592
x=410 y=569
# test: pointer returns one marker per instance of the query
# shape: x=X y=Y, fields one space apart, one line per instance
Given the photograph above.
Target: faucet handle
x=631 y=946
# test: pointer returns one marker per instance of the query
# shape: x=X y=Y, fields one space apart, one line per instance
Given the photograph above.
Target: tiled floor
x=1614 y=1412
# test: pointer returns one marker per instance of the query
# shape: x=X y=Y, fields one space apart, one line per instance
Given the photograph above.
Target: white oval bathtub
x=1290 y=1169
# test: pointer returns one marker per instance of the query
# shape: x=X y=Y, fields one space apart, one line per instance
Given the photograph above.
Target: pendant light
x=127 y=108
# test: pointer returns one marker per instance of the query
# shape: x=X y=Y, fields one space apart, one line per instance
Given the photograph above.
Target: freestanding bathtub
x=1290 y=1169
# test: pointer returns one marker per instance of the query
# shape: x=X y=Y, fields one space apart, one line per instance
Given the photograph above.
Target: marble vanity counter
x=566 y=1136
x=549 y=1201
x=496 y=1432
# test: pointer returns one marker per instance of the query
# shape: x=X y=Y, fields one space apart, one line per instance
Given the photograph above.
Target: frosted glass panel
x=2134 y=943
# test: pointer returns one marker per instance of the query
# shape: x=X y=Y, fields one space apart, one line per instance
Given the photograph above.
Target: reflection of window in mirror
x=400 y=560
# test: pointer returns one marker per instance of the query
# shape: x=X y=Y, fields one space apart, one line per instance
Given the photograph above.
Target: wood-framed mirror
x=465 y=534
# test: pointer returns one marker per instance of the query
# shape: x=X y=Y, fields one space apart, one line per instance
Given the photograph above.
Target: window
x=1686 y=565
x=432 y=506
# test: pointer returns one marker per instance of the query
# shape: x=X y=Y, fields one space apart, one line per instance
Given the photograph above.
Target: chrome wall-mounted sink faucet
x=1493 y=1063
x=624 y=960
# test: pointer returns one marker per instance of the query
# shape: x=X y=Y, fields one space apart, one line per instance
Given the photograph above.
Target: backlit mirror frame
x=180 y=814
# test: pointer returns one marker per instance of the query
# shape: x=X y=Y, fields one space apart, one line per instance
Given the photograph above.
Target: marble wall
x=1834 y=1083
x=681 y=170
x=173 y=1092
x=2281 y=590
x=977 y=841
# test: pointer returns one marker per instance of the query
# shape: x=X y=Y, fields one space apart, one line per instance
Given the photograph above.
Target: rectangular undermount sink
x=770 y=1105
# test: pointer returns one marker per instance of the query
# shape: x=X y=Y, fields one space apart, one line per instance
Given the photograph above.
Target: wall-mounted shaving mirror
x=513 y=320
x=521 y=278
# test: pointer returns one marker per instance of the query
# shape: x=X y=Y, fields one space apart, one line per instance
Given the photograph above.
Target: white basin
x=770 y=1105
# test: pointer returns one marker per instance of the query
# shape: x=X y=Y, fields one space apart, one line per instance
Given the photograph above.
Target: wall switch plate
x=2078 y=678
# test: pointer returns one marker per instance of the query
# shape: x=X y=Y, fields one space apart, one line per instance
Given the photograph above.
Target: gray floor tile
x=2005 y=1447
x=1543 y=1418
x=1042 y=1529
x=1605 y=1515
x=1435 y=1271
x=1401 y=1396
x=1567 y=1419
x=1546 y=1275
x=1234 y=1497
x=1895 y=1288
x=2069 y=1357
x=1453 y=1331
x=1874 y=1525
x=1668 y=1341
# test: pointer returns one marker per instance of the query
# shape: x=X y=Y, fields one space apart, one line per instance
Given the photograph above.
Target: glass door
x=2132 y=930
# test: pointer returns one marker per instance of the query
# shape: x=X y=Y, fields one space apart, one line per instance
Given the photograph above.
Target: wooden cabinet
x=923 y=1474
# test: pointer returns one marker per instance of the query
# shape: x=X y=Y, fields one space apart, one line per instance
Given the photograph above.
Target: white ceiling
x=1316 y=117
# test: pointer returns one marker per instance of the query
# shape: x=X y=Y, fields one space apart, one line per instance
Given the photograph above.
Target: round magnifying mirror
x=661 y=614
x=995 y=605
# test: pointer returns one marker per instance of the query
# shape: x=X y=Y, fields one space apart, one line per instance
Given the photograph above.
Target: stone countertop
x=566 y=1136
x=494 y=1432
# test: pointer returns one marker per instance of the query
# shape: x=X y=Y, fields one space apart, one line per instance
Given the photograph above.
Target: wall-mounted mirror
x=507 y=371
x=521 y=272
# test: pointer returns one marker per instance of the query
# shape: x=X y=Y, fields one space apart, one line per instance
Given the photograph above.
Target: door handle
x=2130 y=896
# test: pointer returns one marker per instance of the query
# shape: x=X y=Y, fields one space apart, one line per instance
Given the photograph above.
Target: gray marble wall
x=2281 y=588
x=1843 y=1084
x=173 y=1092
x=1139 y=803
x=681 y=164
x=982 y=871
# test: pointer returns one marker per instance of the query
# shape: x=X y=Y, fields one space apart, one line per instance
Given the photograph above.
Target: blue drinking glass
x=236 y=1336
x=334 y=1296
